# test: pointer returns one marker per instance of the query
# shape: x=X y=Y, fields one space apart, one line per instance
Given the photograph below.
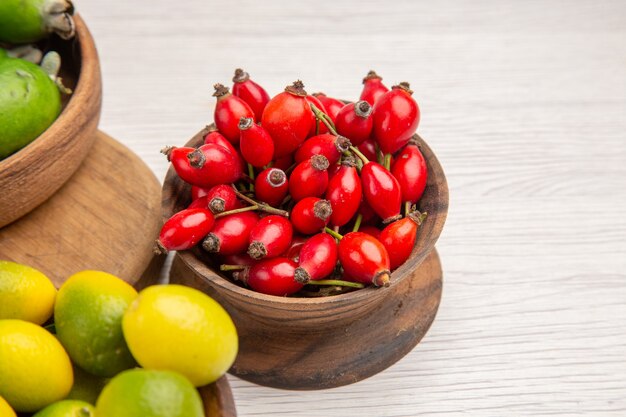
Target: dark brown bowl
x=31 y=175
x=217 y=399
x=313 y=343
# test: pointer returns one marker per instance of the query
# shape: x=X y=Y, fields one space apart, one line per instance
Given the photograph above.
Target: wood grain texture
x=30 y=176
x=106 y=217
x=524 y=104
x=218 y=399
x=286 y=342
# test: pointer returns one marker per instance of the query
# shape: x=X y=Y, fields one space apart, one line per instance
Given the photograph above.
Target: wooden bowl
x=314 y=343
x=31 y=175
x=218 y=399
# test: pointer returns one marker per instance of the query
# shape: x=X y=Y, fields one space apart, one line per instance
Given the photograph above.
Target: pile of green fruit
x=30 y=98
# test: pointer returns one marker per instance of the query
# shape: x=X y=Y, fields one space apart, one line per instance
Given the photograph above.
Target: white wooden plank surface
x=525 y=104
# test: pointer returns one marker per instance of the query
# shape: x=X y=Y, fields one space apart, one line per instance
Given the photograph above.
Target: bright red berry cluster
x=278 y=180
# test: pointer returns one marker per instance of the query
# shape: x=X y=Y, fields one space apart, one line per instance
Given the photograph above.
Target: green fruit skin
x=29 y=102
x=21 y=21
x=3 y=54
x=86 y=387
x=67 y=408
x=90 y=329
x=148 y=393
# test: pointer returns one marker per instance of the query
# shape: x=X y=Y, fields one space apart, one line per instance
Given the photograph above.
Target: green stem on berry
x=387 y=163
x=320 y=115
x=357 y=223
x=333 y=233
x=358 y=153
x=225 y=267
x=407 y=208
x=338 y=282
x=242 y=187
x=261 y=206
x=235 y=211
x=251 y=175
x=380 y=158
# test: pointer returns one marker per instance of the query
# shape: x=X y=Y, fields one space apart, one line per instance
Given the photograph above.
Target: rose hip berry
x=399 y=238
x=331 y=146
x=271 y=276
x=317 y=259
x=332 y=105
x=229 y=109
x=381 y=191
x=287 y=118
x=317 y=128
x=270 y=237
x=411 y=172
x=373 y=88
x=252 y=93
x=344 y=193
x=255 y=143
x=209 y=165
x=185 y=229
x=309 y=178
x=230 y=233
x=310 y=215
x=364 y=259
x=354 y=121
x=218 y=199
x=271 y=186
x=396 y=116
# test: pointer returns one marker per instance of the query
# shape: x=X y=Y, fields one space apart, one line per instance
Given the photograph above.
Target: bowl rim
x=205 y=272
x=89 y=64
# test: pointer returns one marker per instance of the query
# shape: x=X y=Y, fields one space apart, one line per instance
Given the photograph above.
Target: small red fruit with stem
x=411 y=172
x=271 y=276
x=287 y=118
x=256 y=145
x=396 y=117
x=344 y=193
x=215 y=137
x=252 y=93
x=354 y=121
x=229 y=109
x=317 y=127
x=373 y=88
x=270 y=237
x=185 y=229
x=271 y=186
x=317 y=259
x=310 y=215
x=399 y=238
x=309 y=178
x=230 y=233
x=218 y=199
x=331 y=146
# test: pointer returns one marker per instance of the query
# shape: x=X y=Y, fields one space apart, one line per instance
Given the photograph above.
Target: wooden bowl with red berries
x=328 y=267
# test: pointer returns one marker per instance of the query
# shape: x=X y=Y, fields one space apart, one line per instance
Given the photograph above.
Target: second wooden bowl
x=31 y=175
x=314 y=343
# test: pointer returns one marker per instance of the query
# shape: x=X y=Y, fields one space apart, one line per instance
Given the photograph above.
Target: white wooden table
x=525 y=105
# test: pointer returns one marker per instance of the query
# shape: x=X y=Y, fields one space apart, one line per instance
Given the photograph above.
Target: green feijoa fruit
x=29 y=102
x=23 y=21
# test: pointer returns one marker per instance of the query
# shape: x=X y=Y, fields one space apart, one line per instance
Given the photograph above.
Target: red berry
x=364 y=259
x=310 y=215
x=317 y=128
x=197 y=192
x=399 y=238
x=296 y=245
x=284 y=162
x=318 y=258
x=270 y=237
x=271 y=276
x=332 y=105
x=396 y=116
x=229 y=109
x=238 y=259
x=253 y=94
x=330 y=146
x=213 y=136
x=271 y=186
x=368 y=148
x=411 y=172
x=255 y=143
x=309 y=178
x=287 y=118
x=367 y=213
x=381 y=191
x=218 y=199
x=344 y=193
x=230 y=233
x=185 y=229
x=373 y=88
x=206 y=166
x=372 y=231
x=354 y=121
